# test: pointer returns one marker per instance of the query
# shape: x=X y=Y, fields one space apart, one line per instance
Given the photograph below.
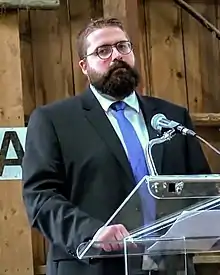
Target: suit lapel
x=149 y=110
x=96 y=116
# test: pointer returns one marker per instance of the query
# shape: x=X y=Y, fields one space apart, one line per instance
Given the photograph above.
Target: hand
x=110 y=234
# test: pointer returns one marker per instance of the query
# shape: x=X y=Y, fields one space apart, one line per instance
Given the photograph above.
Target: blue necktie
x=137 y=160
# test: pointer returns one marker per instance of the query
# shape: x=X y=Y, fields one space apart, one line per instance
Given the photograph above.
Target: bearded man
x=85 y=154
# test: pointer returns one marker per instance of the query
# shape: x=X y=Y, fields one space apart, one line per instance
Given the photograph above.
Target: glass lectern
x=169 y=242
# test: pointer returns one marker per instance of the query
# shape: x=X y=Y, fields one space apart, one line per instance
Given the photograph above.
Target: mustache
x=118 y=64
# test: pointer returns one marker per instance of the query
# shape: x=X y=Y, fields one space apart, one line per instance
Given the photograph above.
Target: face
x=115 y=75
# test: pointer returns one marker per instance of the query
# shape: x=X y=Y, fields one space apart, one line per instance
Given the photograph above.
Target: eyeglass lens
x=123 y=47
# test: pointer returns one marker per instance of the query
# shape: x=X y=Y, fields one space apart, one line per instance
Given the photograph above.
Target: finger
x=123 y=230
x=119 y=233
x=115 y=244
x=107 y=238
x=106 y=246
x=119 y=236
x=125 y=234
x=111 y=236
x=115 y=237
x=107 y=234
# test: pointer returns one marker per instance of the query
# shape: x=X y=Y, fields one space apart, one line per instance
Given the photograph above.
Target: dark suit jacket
x=76 y=174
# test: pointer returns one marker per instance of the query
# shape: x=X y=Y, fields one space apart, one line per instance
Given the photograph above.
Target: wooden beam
x=127 y=12
x=40 y=270
x=27 y=66
x=42 y=4
x=15 y=233
x=207 y=258
x=198 y=16
x=206 y=119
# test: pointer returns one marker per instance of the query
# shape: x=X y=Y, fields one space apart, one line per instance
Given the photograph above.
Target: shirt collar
x=105 y=102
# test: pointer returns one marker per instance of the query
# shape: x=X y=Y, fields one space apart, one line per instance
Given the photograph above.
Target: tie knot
x=118 y=106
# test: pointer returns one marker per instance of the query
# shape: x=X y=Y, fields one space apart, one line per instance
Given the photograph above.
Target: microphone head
x=157 y=122
x=161 y=124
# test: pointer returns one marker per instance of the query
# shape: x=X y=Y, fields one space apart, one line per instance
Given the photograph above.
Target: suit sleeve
x=196 y=160
x=60 y=221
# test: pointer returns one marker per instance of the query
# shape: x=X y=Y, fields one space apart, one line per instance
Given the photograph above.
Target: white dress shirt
x=132 y=112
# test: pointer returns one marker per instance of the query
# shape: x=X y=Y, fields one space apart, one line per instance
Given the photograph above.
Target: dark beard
x=119 y=82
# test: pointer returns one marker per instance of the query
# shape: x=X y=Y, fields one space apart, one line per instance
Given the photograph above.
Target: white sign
x=12 y=146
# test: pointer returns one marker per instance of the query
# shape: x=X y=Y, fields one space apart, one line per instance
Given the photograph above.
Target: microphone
x=162 y=124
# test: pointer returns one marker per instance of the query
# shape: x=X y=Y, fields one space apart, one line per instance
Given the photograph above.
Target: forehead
x=107 y=35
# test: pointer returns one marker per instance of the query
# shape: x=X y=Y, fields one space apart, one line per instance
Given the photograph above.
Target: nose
x=116 y=54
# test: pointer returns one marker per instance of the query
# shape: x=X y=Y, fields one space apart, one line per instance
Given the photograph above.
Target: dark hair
x=93 y=25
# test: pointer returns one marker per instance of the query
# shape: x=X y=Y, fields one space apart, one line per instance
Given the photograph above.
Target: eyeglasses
x=105 y=51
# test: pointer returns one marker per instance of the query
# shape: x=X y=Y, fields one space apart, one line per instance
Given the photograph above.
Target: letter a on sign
x=12 y=142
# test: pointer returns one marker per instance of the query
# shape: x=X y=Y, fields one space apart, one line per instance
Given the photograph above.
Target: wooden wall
x=177 y=57
x=15 y=242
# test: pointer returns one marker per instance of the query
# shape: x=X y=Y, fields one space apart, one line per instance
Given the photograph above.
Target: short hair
x=93 y=25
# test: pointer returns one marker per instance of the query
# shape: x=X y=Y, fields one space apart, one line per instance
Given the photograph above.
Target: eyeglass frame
x=112 y=46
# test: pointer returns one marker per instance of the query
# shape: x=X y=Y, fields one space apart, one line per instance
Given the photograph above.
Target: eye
x=124 y=47
x=104 y=50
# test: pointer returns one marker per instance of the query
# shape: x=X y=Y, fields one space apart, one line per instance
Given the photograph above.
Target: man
x=79 y=166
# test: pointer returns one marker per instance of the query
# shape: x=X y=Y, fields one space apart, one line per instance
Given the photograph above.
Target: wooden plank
x=207 y=263
x=42 y=4
x=39 y=251
x=29 y=104
x=212 y=135
x=191 y=54
x=51 y=54
x=96 y=8
x=202 y=76
x=202 y=61
x=40 y=270
x=206 y=119
x=15 y=233
x=27 y=73
x=144 y=48
x=80 y=15
x=206 y=258
x=127 y=12
x=167 y=63
x=207 y=269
